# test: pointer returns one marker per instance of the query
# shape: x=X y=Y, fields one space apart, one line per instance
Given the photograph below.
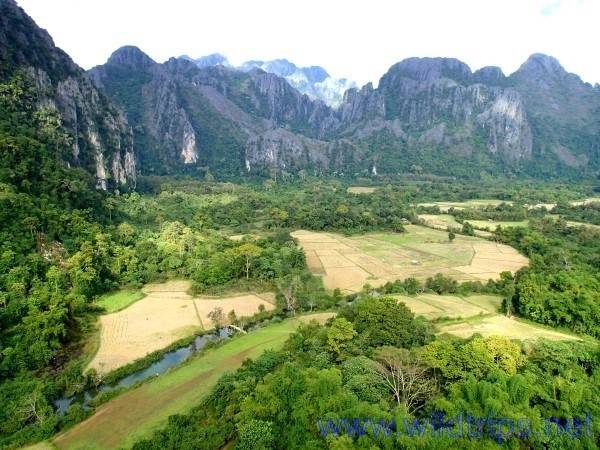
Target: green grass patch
x=116 y=301
x=493 y=224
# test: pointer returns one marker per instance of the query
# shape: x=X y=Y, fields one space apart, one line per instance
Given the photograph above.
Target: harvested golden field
x=167 y=313
x=480 y=314
x=348 y=263
x=433 y=306
x=503 y=326
x=493 y=224
x=586 y=201
x=361 y=189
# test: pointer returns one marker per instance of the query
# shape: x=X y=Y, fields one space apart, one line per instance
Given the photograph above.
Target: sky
x=356 y=39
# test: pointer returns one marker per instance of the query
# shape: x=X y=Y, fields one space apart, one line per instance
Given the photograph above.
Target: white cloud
x=350 y=38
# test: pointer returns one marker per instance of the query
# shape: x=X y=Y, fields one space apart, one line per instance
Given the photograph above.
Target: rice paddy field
x=433 y=306
x=348 y=263
x=139 y=412
x=440 y=221
x=504 y=326
x=116 y=301
x=164 y=315
x=475 y=314
x=493 y=224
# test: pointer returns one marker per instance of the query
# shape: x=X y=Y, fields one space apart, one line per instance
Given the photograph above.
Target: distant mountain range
x=427 y=115
x=313 y=81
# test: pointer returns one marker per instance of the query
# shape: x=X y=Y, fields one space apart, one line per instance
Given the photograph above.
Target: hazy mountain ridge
x=313 y=81
x=426 y=115
x=431 y=114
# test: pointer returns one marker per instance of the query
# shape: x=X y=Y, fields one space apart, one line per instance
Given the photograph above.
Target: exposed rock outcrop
x=424 y=109
x=102 y=139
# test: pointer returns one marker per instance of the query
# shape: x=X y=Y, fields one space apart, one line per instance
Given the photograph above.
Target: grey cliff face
x=420 y=95
x=163 y=124
x=252 y=119
x=102 y=139
x=563 y=109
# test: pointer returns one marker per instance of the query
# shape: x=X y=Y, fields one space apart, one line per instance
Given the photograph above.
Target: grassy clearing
x=40 y=446
x=586 y=201
x=583 y=224
x=348 y=263
x=361 y=190
x=440 y=221
x=119 y=300
x=477 y=314
x=493 y=224
x=572 y=223
x=476 y=203
x=138 y=413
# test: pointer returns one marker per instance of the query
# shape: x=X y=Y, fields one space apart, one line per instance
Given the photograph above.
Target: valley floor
x=139 y=412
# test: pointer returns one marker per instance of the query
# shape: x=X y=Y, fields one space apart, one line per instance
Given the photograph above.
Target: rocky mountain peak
x=132 y=57
x=539 y=65
x=491 y=75
x=430 y=69
x=315 y=74
x=102 y=141
x=23 y=43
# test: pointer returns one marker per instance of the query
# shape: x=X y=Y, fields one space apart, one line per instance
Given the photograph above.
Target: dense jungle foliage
x=372 y=378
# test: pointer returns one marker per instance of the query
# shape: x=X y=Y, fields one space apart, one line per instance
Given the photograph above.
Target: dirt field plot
x=503 y=326
x=361 y=189
x=583 y=224
x=440 y=221
x=434 y=306
x=166 y=314
x=586 y=201
x=477 y=203
x=446 y=222
x=348 y=263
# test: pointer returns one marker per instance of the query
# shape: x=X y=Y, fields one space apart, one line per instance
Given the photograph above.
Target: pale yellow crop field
x=348 y=263
x=476 y=203
x=504 y=326
x=361 y=189
x=433 y=306
x=167 y=313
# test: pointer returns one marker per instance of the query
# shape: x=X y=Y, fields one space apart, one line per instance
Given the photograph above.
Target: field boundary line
x=466 y=299
x=198 y=313
x=429 y=303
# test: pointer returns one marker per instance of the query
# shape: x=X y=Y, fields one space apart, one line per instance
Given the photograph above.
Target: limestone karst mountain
x=101 y=139
x=427 y=115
